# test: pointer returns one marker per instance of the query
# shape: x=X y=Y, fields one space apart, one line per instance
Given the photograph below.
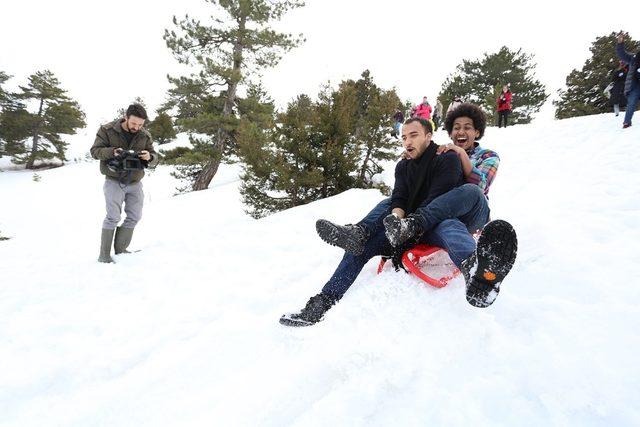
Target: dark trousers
x=502 y=115
x=632 y=102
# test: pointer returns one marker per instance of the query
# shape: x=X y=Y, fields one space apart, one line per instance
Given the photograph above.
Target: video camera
x=126 y=160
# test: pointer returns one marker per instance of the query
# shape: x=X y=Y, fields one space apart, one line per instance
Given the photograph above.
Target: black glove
x=397 y=253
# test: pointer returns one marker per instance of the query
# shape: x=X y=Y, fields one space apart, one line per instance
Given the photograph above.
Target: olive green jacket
x=111 y=136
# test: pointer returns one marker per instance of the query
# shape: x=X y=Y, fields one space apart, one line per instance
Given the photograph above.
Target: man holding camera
x=124 y=149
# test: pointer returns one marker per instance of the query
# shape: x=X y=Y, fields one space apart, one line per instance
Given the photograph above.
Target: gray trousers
x=116 y=193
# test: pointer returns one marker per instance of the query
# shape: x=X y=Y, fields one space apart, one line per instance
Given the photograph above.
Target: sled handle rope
x=411 y=259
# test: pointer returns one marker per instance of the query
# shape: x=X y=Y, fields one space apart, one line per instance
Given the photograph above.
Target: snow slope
x=186 y=333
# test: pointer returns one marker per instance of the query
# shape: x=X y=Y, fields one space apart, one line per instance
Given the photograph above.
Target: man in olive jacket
x=120 y=185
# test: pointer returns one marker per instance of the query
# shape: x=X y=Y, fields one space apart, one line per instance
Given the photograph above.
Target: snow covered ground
x=186 y=332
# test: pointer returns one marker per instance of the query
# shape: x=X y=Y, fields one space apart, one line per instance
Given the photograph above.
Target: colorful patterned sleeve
x=484 y=170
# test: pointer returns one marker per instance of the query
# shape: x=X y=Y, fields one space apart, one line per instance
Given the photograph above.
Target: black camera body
x=126 y=160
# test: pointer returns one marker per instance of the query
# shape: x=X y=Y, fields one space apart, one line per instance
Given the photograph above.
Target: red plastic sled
x=411 y=261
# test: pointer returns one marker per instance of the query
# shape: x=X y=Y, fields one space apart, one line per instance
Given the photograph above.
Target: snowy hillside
x=186 y=332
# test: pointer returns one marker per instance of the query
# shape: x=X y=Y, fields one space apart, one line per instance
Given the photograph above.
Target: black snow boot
x=399 y=230
x=312 y=313
x=351 y=238
x=492 y=261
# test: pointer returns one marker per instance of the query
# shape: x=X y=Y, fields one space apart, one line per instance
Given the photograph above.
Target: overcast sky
x=106 y=55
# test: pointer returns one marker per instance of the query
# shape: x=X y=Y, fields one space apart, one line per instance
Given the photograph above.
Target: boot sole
x=331 y=234
x=128 y=252
x=495 y=255
x=287 y=320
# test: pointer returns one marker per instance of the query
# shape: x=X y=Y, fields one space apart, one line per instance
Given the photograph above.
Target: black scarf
x=425 y=172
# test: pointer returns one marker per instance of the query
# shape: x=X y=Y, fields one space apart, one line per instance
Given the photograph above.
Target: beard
x=130 y=129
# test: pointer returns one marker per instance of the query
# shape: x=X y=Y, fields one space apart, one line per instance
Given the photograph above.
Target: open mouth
x=461 y=140
x=410 y=150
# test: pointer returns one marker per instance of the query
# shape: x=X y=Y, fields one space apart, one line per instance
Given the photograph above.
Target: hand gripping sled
x=411 y=260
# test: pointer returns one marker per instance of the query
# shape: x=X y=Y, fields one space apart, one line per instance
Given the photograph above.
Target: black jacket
x=633 y=75
x=618 y=78
x=445 y=173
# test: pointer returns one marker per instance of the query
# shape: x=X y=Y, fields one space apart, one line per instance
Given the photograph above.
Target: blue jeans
x=397 y=126
x=449 y=233
x=467 y=203
x=632 y=103
x=373 y=221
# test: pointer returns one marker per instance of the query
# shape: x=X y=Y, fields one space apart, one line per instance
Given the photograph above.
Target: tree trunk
x=211 y=168
x=207 y=174
x=36 y=137
x=363 y=169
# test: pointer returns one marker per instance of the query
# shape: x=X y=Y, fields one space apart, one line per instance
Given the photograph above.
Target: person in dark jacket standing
x=504 y=105
x=632 y=82
x=122 y=184
x=398 y=118
x=617 y=99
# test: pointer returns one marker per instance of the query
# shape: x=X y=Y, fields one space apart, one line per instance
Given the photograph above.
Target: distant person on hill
x=124 y=149
x=504 y=105
x=423 y=111
x=398 y=118
x=430 y=204
x=457 y=100
x=438 y=114
x=616 y=95
x=632 y=82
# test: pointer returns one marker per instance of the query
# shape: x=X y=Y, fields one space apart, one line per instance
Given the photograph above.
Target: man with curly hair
x=438 y=199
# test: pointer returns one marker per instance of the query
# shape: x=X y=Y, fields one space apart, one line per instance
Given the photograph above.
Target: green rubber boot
x=105 y=245
x=123 y=238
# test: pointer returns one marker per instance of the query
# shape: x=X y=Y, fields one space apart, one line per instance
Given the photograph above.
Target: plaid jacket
x=484 y=167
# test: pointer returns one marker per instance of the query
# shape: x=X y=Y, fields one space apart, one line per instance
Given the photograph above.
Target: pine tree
x=226 y=54
x=318 y=149
x=373 y=125
x=334 y=142
x=4 y=95
x=15 y=122
x=584 y=94
x=256 y=107
x=57 y=114
x=281 y=167
x=480 y=82
x=161 y=128
x=16 y=125
x=4 y=100
x=12 y=121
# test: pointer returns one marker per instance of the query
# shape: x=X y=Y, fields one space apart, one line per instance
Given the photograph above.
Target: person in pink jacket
x=423 y=111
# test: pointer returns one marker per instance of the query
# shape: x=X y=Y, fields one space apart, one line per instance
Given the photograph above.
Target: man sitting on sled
x=439 y=198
